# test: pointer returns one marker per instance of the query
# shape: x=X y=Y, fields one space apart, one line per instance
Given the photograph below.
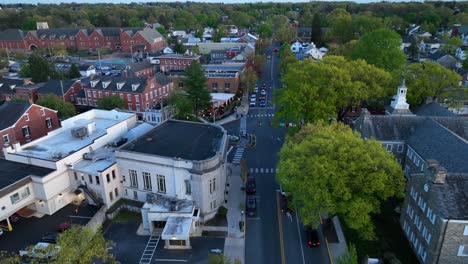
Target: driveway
x=28 y=231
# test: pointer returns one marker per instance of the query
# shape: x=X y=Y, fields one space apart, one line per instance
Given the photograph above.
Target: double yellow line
x=280 y=228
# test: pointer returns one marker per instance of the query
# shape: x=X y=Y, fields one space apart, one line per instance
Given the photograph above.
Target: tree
x=287 y=58
x=111 y=102
x=3 y=58
x=265 y=30
x=382 y=49
x=74 y=72
x=316 y=30
x=325 y=89
x=59 y=50
x=430 y=79
x=218 y=34
x=413 y=50
x=81 y=245
x=248 y=79
x=181 y=103
x=40 y=69
x=65 y=109
x=330 y=169
x=340 y=25
x=25 y=71
x=349 y=257
x=285 y=34
x=195 y=82
x=452 y=44
x=178 y=47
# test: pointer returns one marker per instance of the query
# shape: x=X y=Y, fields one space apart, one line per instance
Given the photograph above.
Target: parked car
x=263 y=92
x=276 y=50
x=251 y=186
x=253 y=99
x=63 y=227
x=264 y=86
x=312 y=237
x=253 y=103
x=262 y=97
x=14 y=218
x=49 y=238
x=255 y=89
x=251 y=206
x=269 y=57
x=262 y=103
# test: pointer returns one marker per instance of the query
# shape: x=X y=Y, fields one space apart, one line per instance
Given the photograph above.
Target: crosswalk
x=262 y=115
x=238 y=156
x=263 y=170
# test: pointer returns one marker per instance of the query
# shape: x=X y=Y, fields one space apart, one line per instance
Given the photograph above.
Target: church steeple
x=399 y=106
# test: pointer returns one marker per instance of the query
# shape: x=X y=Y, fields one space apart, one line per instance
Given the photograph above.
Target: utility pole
x=61 y=85
x=99 y=58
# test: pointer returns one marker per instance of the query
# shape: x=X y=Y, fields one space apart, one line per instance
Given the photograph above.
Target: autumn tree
x=111 y=102
x=381 y=48
x=329 y=169
x=65 y=109
x=323 y=90
x=195 y=83
x=430 y=79
x=285 y=33
x=248 y=79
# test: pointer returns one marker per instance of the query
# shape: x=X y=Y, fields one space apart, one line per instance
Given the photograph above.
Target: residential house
x=305 y=33
x=87 y=70
x=429 y=45
x=232 y=30
x=406 y=41
x=461 y=31
x=205 y=48
x=180 y=189
x=179 y=33
x=444 y=59
x=8 y=87
x=25 y=122
x=66 y=90
x=461 y=52
x=169 y=62
x=299 y=46
x=12 y=39
x=249 y=39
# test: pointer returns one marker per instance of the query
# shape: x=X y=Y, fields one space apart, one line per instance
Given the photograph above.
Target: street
x=271 y=237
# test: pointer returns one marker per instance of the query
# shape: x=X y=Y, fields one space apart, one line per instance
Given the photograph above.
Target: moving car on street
x=312 y=237
x=262 y=103
x=251 y=206
x=251 y=187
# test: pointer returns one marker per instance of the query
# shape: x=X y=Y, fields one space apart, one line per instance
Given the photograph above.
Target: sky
x=206 y=1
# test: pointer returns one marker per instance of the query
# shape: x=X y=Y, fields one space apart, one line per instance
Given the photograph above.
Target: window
x=75 y=175
x=427 y=235
x=97 y=180
x=113 y=174
x=388 y=147
x=129 y=97
x=213 y=204
x=90 y=177
x=6 y=139
x=212 y=185
x=161 y=183
x=108 y=177
x=463 y=251
x=42 y=112
x=465 y=232
x=126 y=192
x=79 y=101
x=48 y=122
x=130 y=107
x=214 y=85
x=111 y=196
x=20 y=195
x=416 y=162
x=138 y=107
x=100 y=94
x=135 y=195
x=94 y=94
x=422 y=166
x=26 y=116
x=227 y=85
x=133 y=178
x=137 y=98
x=188 y=187
x=26 y=131
x=400 y=148
x=89 y=94
x=116 y=191
x=121 y=96
x=410 y=154
x=14 y=198
x=146 y=181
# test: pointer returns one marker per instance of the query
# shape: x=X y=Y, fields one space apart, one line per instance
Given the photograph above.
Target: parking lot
x=29 y=231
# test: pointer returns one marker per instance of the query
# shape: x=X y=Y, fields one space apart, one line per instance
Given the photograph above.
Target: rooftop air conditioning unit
x=79 y=132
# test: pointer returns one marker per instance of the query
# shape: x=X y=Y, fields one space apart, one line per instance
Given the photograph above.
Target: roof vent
x=79 y=132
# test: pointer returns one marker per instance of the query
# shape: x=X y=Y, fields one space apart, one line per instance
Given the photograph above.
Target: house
x=138 y=94
x=232 y=30
x=87 y=70
x=179 y=33
x=299 y=46
x=168 y=62
x=248 y=38
x=432 y=147
x=305 y=33
x=461 y=52
x=66 y=90
x=406 y=41
x=180 y=189
x=313 y=52
x=8 y=87
x=429 y=45
x=25 y=122
x=444 y=59
x=12 y=39
x=461 y=31
x=142 y=69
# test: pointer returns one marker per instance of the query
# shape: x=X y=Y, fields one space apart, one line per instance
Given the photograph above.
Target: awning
x=177 y=228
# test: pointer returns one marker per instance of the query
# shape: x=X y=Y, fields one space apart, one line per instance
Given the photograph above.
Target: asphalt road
x=271 y=237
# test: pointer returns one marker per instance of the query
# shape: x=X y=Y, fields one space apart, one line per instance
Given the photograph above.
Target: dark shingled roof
x=112 y=86
x=387 y=127
x=139 y=66
x=11 y=112
x=433 y=141
x=12 y=172
x=437 y=55
x=452 y=197
x=57 y=32
x=6 y=84
x=433 y=109
x=12 y=34
x=162 y=79
x=54 y=87
x=179 y=139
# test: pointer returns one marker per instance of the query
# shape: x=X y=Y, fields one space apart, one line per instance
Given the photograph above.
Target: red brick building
x=142 y=69
x=138 y=94
x=223 y=78
x=66 y=90
x=24 y=122
x=113 y=38
x=177 y=62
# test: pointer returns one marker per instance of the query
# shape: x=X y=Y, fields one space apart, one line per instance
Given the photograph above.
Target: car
x=264 y=86
x=263 y=92
x=1 y=231
x=262 y=97
x=262 y=103
x=251 y=206
x=251 y=186
x=269 y=57
x=276 y=50
x=253 y=103
x=14 y=218
x=49 y=238
x=63 y=227
x=253 y=95
x=255 y=90
x=312 y=237
x=253 y=99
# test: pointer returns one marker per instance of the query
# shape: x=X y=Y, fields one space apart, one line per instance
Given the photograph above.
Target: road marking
x=300 y=237
x=256 y=170
x=253 y=218
x=149 y=250
x=261 y=170
x=172 y=260
x=280 y=227
x=238 y=156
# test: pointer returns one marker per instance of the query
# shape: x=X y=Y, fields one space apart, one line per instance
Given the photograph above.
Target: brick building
x=142 y=69
x=223 y=78
x=8 y=87
x=178 y=62
x=66 y=90
x=139 y=94
x=112 y=38
x=24 y=122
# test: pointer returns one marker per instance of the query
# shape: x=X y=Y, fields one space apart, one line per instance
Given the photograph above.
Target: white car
x=263 y=92
x=253 y=103
x=253 y=99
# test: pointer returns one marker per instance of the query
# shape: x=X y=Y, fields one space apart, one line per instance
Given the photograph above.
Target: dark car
x=262 y=103
x=251 y=186
x=276 y=49
x=312 y=237
x=49 y=238
x=251 y=206
x=63 y=227
x=14 y=218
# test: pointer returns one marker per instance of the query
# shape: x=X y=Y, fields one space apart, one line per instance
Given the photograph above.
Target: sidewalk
x=241 y=112
x=234 y=247
x=337 y=249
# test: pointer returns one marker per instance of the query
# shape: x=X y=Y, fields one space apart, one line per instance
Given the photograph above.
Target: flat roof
x=179 y=139
x=177 y=227
x=62 y=143
x=11 y=172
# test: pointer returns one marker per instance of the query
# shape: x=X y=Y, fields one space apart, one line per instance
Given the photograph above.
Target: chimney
x=437 y=172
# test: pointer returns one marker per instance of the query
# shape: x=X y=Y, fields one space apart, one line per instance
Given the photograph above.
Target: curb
x=329 y=252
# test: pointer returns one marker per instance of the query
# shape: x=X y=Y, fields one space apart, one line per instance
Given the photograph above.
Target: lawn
x=125 y=216
x=390 y=238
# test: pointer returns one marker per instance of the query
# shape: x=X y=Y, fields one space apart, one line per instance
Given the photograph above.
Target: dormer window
x=105 y=84
x=120 y=85
x=93 y=83
x=135 y=86
x=12 y=86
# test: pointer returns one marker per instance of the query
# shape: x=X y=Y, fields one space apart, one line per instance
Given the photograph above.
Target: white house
x=461 y=52
x=179 y=170
x=313 y=52
x=87 y=70
x=299 y=47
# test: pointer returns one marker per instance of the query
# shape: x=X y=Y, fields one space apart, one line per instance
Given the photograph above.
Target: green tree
x=178 y=47
x=413 y=50
x=195 y=83
x=65 y=109
x=111 y=102
x=218 y=34
x=430 y=79
x=74 y=72
x=81 y=245
x=29 y=24
x=316 y=29
x=40 y=68
x=330 y=169
x=349 y=257
x=25 y=71
x=181 y=103
x=381 y=48
x=287 y=58
x=325 y=89
x=365 y=23
x=452 y=44
x=265 y=30
x=3 y=58
x=285 y=34
x=340 y=25
x=221 y=259
x=7 y=257
x=248 y=79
